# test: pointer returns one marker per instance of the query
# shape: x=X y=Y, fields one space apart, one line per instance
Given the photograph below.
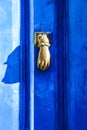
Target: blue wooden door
x=61 y=91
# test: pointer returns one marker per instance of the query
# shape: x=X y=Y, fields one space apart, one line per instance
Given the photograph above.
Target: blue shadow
x=12 y=74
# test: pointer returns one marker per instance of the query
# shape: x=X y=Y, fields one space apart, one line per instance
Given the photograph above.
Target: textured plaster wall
x=9 y=60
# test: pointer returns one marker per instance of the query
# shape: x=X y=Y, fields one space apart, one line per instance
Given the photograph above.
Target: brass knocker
x=42 y=41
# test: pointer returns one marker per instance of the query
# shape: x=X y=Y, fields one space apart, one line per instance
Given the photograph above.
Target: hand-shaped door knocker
x=42 y=41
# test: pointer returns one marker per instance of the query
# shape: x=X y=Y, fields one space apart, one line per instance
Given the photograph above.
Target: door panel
x=46 y=82
x=77 y=89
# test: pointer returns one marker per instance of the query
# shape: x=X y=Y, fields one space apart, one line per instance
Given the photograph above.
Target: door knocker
x=42 y=41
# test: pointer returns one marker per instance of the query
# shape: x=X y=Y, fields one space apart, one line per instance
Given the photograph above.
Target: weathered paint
x=9 y=63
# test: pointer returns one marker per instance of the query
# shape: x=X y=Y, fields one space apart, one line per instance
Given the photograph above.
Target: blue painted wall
x=9 y=64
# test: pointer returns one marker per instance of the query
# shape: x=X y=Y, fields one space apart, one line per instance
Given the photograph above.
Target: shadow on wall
x=12 y=71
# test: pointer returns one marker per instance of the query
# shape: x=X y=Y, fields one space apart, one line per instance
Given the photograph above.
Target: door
x=60 y=97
